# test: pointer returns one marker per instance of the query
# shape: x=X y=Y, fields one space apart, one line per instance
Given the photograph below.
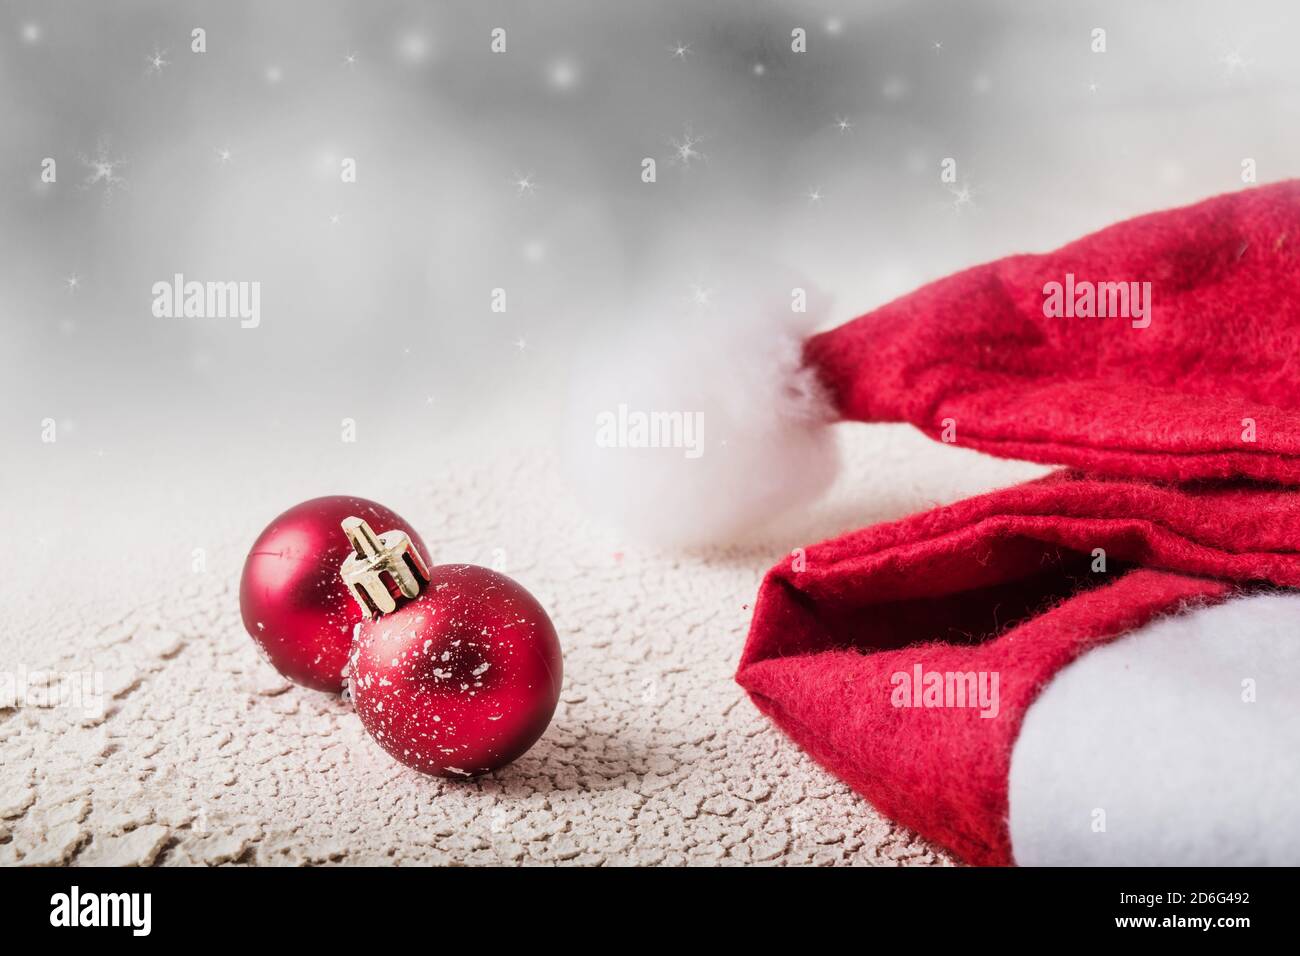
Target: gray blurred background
x=522 y=171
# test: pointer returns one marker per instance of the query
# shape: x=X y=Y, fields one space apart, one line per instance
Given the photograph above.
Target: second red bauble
x=291 y=597
x=460 y=679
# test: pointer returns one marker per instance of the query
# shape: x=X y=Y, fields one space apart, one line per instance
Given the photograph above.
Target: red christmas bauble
x=460 y=679
x=294 y=604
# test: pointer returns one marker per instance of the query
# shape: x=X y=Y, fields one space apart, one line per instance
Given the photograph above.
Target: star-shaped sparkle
x=103 y=169
x=842 y=124
x=72 y=282
x=521 y=343
x=815 y=195
x=349 y=59
x=681 y=51
x=157 y=60
x=525 y=185
x=701 y=296
x=684 y=149
x=963 y=196
x=223 y=155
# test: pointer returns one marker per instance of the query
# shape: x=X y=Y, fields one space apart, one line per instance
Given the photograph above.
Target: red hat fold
x=1210 y=388
x=1015 y=584
x=1171 y=412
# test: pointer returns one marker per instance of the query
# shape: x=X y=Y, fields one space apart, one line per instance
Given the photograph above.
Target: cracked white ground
x=203 y=755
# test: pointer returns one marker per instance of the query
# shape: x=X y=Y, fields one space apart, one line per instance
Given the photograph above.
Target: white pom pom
x=702 y=428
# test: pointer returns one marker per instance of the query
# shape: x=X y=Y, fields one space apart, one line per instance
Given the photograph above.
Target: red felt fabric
x=1164 y=402
x=1000 y=583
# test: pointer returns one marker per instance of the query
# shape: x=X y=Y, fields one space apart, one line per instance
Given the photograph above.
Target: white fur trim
x=738 y=428
x=1153 y=730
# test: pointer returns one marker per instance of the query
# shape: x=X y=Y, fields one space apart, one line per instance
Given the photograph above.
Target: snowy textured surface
x=205 y=756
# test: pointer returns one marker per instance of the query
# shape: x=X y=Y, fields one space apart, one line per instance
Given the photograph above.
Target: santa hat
x=909 y=658
x=927 y=662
